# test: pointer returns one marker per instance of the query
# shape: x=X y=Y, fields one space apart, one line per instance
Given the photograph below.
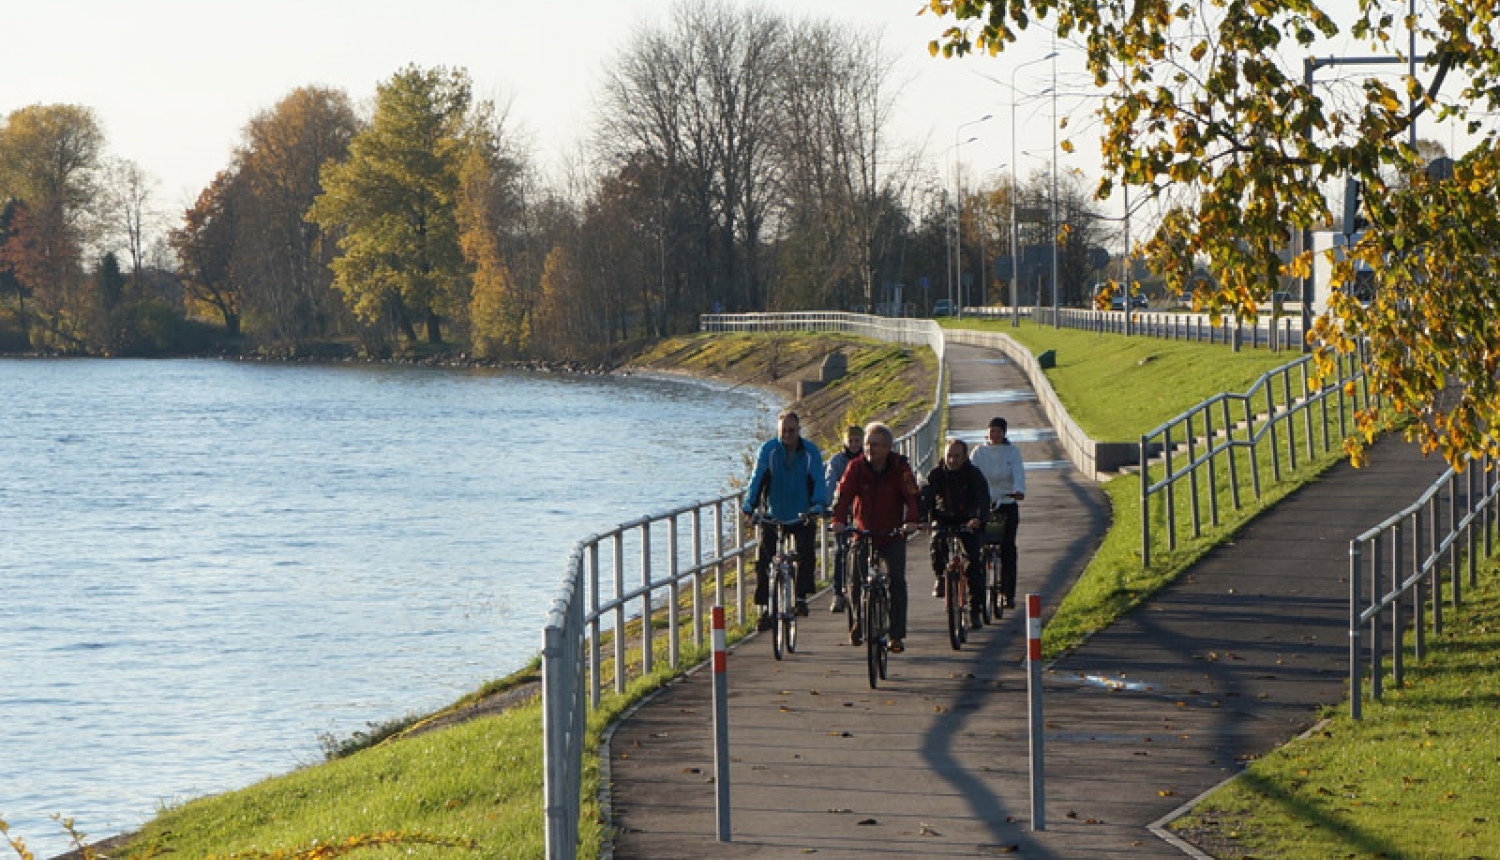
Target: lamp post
x=1056 y=323
x=957 y=301
x=1015 y=229
x=949 y=226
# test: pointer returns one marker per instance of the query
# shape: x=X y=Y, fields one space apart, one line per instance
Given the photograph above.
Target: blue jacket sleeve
x=758 y=477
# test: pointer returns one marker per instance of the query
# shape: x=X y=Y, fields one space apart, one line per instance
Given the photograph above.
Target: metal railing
x=635 y=575
x=1266 y=331
x=1220 y=445
x=637 y=570
x=1458 y=513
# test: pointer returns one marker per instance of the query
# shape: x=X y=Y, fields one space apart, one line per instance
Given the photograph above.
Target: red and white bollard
x=1034 y=697
x=721 y=725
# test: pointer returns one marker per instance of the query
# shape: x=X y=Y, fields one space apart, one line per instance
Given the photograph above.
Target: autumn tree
x=280 y=258
x=393 y=203
x=205 y=248
x=1215 y=110
x=50 y=157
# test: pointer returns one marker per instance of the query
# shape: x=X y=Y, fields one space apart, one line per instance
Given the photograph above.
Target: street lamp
x=1056 y=323
x=950 y=224
x=957 y=299
x=1015 y=230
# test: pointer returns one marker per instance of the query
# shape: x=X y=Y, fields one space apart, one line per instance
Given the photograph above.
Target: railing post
x=1354 y=627
x=1397 y=625
x=594 y=669
x=674 y=595
x=1419 y=602
x=619 y=611
x=1145 y=504
x=648 y=663
x=1377 y=647
x=698 y=633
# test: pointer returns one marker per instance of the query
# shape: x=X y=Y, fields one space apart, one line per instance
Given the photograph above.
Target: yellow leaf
x=1066 y=146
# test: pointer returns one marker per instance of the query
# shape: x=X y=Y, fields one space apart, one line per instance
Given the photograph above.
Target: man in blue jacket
x=788 y=484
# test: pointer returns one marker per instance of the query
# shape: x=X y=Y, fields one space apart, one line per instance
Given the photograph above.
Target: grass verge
x=1117 y=387
x=1416 y=778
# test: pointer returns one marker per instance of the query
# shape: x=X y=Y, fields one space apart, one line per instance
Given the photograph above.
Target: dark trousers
x=840 y=560
x=894 y=554
x=802 y=540
x=973 y=569
x=1009 y=518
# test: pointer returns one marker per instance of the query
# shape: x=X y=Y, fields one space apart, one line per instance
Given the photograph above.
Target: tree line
x=741 y=160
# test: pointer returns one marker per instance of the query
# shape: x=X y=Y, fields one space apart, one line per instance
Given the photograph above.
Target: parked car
x=942 y=308
x=1117 y=301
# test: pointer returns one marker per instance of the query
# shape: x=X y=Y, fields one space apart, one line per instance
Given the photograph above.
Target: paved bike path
x=1224 y=665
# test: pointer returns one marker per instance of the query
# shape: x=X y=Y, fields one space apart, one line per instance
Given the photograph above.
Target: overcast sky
x=175 y=81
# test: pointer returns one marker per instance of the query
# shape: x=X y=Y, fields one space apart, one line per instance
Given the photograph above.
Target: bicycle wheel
x=997 y=609
x=954 y=600
x=874 y=636
x=884 y=610
x=854 y=586
x=774 y=609
x=787 y=626
x=987 y=597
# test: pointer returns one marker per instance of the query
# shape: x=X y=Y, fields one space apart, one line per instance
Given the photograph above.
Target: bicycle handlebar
x=760 y=517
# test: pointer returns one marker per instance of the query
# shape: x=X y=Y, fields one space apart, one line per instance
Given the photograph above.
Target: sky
x=174 y=82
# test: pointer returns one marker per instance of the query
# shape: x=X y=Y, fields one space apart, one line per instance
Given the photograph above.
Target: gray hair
x=876 y=427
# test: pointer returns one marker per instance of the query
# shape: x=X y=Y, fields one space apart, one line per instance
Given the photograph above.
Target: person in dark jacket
x=854 y=447
x=958 y=496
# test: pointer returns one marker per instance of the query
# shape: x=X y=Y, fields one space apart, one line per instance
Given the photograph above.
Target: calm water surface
x=204 y=566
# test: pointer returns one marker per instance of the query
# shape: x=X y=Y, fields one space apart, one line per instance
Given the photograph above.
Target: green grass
x=1417 y=778
x=1117 y=388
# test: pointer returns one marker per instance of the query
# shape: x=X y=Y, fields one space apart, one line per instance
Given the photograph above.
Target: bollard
x=1034 y=697
x=721 y=726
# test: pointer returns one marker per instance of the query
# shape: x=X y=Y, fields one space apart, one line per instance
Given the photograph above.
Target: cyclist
x=958 y=496
x=854 y=444
x=879 y=492
x=788 y=481
x=1001 y=463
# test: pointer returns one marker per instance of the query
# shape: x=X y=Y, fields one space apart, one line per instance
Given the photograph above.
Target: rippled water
x=205 y=565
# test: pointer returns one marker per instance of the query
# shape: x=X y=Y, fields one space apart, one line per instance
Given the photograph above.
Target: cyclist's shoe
x=937 y=588
x=1010 y=603
x=802 y=609
x=976 y=618
x=896 y=646
x=856 y=637
x=765 y=622
x=838 y=603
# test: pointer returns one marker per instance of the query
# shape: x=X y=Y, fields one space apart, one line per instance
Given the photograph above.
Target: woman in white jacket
x=1001 y=463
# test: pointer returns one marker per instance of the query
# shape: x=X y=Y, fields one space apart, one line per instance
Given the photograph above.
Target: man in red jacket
x=880 y=491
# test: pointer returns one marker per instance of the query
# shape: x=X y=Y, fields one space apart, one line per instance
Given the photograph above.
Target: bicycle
x=956 y=578
x=781 y=603
x=868 y=585
x=994 y=607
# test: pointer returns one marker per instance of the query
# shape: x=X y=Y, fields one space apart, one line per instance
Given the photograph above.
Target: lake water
x=206 y=565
